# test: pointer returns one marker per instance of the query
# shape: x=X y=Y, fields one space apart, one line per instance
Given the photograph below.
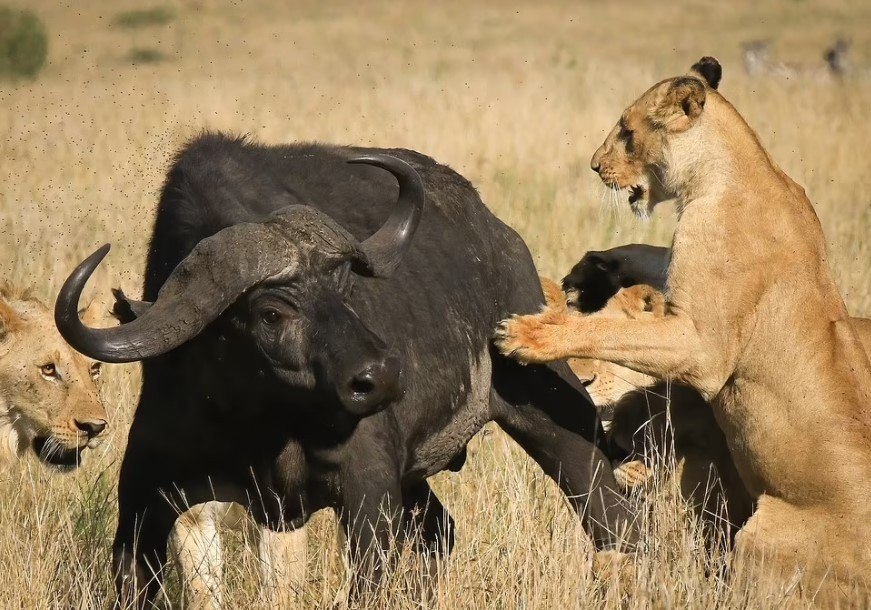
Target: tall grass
x=514 y=96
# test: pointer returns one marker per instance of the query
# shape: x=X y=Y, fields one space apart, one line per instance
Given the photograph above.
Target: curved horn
x=200 y=288
x=385 y=248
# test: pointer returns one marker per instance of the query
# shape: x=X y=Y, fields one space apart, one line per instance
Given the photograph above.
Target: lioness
x=645 y=416
x=49 y=403
x=755 y=323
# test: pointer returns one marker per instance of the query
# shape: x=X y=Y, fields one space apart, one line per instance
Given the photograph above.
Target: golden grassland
x=514 y=95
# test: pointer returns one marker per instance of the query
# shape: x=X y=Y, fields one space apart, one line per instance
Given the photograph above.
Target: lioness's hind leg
x=792 y=552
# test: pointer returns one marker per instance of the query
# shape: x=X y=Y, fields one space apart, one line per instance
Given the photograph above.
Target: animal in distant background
x=49 y=402
x=837 y=63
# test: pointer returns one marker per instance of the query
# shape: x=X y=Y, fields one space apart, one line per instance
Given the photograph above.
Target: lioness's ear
x=554 y=297
x=9 y=318
x=679 y=104
x=709 y=69
x=93 y=314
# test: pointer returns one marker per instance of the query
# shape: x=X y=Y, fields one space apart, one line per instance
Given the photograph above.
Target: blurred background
x=97 y=96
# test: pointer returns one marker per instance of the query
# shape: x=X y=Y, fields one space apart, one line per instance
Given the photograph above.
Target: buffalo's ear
x=125 y=309
x=679 y=103
x=709 y=69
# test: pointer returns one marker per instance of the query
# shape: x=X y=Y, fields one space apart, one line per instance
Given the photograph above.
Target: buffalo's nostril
x=364 y=383
x=92 y=427
x=373 y=386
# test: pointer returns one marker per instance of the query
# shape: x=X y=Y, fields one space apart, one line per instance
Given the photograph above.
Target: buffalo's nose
x=373 y=386
x=91 y=427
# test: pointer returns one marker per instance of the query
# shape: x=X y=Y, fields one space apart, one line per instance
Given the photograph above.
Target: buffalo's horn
x=200 y=288
x=385 y=248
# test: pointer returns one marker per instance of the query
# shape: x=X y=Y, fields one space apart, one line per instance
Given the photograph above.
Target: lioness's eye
x=96 y=368
x=628 y=137
x=48 y=370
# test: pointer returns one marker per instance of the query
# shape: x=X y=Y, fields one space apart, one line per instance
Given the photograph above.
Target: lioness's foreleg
x=667 y=347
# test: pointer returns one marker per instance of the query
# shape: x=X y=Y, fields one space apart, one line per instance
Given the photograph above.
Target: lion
x=49 y=402
x=645 y=416
x=754 y=323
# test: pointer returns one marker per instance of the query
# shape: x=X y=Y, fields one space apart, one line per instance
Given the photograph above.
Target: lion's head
x=606 y=382
x=48 y=397
x=635 y=155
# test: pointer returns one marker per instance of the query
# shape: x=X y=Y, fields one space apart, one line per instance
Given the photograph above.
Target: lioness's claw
x=525 y=338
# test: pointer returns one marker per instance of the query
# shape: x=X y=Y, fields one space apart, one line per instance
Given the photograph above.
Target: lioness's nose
x=91 y=427
x=595 y=163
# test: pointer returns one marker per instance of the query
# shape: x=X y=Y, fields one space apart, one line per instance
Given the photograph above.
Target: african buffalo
x=314 y=336
x=599 y=275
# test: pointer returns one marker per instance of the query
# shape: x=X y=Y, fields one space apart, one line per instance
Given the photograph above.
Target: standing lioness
x=754 y=323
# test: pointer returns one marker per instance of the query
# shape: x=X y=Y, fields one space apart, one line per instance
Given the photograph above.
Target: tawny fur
x=755 y=323
x=667 y=418
x=45 y=386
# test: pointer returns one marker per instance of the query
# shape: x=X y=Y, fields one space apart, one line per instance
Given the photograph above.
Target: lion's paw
x=528 y=338
x=614 y=567
x=630 y=475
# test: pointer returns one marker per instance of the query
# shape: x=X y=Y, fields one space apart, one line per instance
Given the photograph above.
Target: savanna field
x=516 y=96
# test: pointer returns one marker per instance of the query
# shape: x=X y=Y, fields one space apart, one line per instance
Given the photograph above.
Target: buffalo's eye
x=270 y=316
x=96 y=369
x=48 y=370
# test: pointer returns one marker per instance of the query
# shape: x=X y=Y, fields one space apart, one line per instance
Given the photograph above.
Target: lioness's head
x=606 y=382
x=635 y=156
x=48 y=397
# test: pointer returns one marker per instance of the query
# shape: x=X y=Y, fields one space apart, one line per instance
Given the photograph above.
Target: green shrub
x=23 y=44
x=158 y=15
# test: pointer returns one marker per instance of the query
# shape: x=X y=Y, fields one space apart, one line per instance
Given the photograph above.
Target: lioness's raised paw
x=529 y=338
x=630 y=475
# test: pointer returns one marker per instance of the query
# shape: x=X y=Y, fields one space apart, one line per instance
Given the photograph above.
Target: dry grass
x=516 y=96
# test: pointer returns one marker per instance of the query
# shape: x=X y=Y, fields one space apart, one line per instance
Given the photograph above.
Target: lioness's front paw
x=528 y=338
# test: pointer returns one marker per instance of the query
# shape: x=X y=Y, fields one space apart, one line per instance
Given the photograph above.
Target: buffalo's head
x=286 y=283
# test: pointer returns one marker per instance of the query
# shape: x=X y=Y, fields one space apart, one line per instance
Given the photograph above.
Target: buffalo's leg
x=432 y=532
x=371 y=507
x=429 y=519
x=546 y=410
x=282 y=556
x=195 y=545
x=148 y=507
x=139 y=550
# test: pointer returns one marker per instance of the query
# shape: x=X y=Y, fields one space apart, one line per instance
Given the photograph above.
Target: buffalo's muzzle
x=372 y=387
